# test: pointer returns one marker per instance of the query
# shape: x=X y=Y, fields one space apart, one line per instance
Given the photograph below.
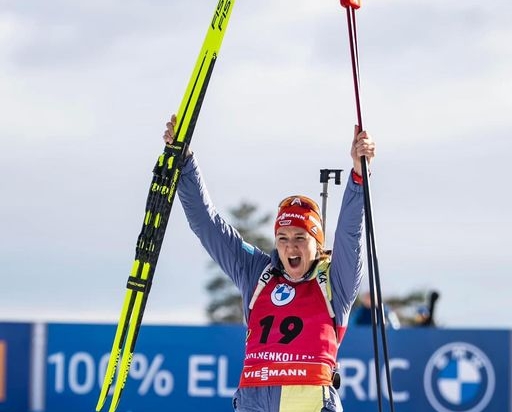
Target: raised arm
x=222 y=241
x=346 y=266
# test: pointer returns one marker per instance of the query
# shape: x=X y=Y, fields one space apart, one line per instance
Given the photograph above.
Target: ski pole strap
x=358 y=180
x=355 y=4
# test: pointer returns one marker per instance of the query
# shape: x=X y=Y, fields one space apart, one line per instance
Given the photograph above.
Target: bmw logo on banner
x=459 y=377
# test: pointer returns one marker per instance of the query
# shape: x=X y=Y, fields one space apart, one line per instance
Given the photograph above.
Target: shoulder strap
x=322 y=277
x=265 y=277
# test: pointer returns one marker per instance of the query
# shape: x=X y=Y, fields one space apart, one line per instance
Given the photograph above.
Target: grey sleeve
x=242 y=262
x=346 y=261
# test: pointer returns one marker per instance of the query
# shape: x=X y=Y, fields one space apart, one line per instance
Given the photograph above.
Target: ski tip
x=114 y=405
x=99 y=405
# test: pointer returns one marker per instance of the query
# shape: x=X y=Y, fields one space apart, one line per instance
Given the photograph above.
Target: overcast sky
x=86 y=88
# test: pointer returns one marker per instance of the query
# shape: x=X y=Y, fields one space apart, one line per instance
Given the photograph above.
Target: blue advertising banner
x=15 y=340
x=197 y=368
x=179 y=368
x=431 y=370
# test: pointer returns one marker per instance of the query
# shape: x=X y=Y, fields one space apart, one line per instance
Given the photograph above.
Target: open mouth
x=294 y=261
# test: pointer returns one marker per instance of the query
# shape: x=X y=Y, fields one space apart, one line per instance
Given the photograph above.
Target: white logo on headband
x=296 y=201
x=285 y=222
x=315 y=221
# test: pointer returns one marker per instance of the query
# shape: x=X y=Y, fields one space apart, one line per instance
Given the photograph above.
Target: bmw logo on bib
x=282 y=294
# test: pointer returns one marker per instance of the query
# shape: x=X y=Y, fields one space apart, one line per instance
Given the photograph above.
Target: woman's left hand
x=362 y=145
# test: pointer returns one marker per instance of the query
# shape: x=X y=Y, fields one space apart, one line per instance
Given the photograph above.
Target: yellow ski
x=161 y=195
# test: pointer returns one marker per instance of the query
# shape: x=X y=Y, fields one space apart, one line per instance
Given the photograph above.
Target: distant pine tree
x=225 y=301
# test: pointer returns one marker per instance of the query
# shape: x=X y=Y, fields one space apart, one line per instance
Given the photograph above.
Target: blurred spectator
x=425 y=313
x=361 y=314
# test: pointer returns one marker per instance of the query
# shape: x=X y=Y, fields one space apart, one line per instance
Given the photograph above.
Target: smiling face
x=297 y=250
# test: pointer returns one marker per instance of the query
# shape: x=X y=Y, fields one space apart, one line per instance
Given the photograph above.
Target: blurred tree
x=225 y=301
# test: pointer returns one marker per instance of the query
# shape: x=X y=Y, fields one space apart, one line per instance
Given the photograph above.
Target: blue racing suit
x=244 y=263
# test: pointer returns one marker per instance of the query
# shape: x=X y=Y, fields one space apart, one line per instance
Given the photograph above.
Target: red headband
x=300 y=211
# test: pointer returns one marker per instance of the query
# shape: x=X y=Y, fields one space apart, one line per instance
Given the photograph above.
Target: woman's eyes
x=296 y=239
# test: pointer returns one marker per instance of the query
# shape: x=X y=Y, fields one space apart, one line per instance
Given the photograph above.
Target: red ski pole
x=377 y=307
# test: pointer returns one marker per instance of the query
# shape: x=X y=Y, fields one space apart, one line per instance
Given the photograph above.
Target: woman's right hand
x=170 y=133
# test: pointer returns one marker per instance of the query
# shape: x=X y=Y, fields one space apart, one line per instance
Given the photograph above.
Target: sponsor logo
x=265 y=278
x=315 y=221
x=278 y=356
x=265 y=373
x=459 y=377
x=3 y=370
x=285 y=222
x=286 y=215
x=221 y=13
x=282 y=294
